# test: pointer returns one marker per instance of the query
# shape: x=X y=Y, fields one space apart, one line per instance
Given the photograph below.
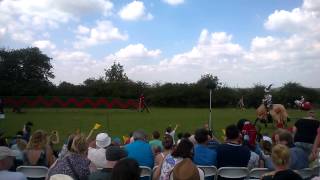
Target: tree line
x=28 y=71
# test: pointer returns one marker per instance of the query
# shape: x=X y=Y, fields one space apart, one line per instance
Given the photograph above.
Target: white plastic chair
x=316 y=171
x=209 y=171
x=201 y=174
x=33 y=171
x=257 y=173
x=145 y=171
x=233 y=172
x=305 y=173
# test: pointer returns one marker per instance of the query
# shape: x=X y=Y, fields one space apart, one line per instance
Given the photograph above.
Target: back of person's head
x=266 y=147
x=156 y=134
x=167 y=142
x=79 y=144
x=37 y=140
x=169 y=129
x=201 y=135
x=280 y=155
x=126 y=169
x=186 y=135
x=286 y=138
x=139 y=135
x=184 y=149
x=240 y=123
x=232 y=132
x=115 y=153
x=180 y=135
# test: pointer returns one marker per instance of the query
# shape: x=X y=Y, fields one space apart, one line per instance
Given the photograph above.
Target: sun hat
x=103 y=140
x=60 y=177
x=6 y=152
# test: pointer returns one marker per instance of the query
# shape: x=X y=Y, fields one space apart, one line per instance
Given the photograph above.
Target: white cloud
x=174 y=2
x=24 y=19
x=103 y=32
x=44 y=44
x=75 y=66
x=134 y=11
x=82 y=30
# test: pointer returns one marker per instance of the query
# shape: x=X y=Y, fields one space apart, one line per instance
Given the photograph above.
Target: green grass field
x=118 y=122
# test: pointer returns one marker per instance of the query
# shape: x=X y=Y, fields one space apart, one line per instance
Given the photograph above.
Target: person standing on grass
x=142 y=104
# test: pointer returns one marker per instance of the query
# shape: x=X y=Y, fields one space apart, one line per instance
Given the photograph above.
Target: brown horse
x=278 y=113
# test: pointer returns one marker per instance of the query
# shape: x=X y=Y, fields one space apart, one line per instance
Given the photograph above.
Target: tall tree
x=116 y=73
x=24 y=72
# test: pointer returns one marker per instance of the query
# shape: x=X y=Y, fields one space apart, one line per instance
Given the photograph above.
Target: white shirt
x=12 y=175
x=97 y=157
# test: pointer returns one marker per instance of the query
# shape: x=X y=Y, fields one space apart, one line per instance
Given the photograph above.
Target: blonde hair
x=280 y=155
x=38 y=140
x=79 y=144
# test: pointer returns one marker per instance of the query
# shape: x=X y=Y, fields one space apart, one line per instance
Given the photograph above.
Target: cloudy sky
x=243 y=42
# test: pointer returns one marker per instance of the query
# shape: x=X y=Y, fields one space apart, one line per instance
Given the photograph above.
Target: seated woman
x=167 y=144
x=38 y=152
x=75 y=164
x=280 y=158
x=182 y=151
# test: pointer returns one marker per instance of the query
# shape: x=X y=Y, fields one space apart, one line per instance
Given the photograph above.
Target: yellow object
x=125 y=138
x=96 y=126
x=224 y=131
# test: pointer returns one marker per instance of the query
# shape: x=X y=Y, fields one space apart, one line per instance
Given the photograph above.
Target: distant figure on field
x=241 y=103
x=142 y=104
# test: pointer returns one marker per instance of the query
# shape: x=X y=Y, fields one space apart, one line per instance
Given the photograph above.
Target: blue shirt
x=141 y=152
x=204 y=156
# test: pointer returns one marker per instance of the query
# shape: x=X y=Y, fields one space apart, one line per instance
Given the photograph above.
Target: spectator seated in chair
x=6 y=161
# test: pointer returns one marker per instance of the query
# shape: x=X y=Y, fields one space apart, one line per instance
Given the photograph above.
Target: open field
x=120 y=122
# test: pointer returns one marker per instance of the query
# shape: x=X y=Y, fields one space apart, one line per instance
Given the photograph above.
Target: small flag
x=96 y=126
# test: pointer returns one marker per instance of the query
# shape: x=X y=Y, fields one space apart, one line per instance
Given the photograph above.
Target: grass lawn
x=118 y=122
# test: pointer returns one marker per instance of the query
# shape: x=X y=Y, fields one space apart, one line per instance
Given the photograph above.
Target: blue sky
x=242 y=42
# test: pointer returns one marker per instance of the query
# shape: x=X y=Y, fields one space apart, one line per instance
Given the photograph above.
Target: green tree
x=25 y=72
x=116 y=73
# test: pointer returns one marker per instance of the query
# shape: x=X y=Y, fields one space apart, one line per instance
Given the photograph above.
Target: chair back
x=316 y=171
x=145 y=171
x=33 y=171
x=233 y=172
x=305 y=173
x=209 y=170
x=257 y=173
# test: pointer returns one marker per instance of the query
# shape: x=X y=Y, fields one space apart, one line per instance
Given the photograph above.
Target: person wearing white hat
x=97 y=154
x=6 y=161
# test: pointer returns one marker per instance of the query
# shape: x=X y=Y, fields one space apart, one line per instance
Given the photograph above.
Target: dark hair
x=126 y=169
x=156 y=135
x=180 y=135
x=186 y=135
x=184 y=149
x=232 y=132
x=240 y=123
x=286 y=136
x=168 y=129
x=201 y=135
x=167 y=141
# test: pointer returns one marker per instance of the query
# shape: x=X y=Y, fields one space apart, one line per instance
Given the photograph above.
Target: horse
x=306 y=105
x=278 y=114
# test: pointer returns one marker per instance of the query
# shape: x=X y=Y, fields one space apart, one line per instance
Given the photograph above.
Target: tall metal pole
x=210 y=123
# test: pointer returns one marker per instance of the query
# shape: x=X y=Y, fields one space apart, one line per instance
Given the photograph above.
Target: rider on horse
x=267 y=100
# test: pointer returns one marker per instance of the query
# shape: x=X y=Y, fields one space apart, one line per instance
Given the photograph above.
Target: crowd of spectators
x=284 y=151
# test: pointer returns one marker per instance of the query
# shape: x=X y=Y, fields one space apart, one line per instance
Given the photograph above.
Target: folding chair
x=233 y=172
x=145 y=171
x=33 y=171
x=201 y=174
x=209 y=171
x=305 y=173
x=316 y=171
x=257 y=173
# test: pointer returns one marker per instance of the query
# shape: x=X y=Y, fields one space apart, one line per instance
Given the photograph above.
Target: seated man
x=140 y=150
x=113 y=155
x=232 y=153
x=202 y=154
x=6 y=161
